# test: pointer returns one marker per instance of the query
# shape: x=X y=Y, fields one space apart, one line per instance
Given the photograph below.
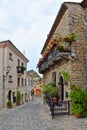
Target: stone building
x=15 y=78
x=33 y=79
x=70 y=21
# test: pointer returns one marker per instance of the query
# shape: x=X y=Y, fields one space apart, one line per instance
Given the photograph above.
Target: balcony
x=20 y=70
x=59 y=55
x=54 y=57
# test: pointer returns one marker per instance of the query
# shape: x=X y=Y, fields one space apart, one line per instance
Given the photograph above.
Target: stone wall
x=85 y=13
x=77 y=25
x=58 y=68
x=63 y=27
x=74 y=20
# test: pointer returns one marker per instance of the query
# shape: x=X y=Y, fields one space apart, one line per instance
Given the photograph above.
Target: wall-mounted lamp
x=73 y=55
x=8 y=69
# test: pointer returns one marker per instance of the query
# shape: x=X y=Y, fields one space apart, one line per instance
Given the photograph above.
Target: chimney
x=84 y=3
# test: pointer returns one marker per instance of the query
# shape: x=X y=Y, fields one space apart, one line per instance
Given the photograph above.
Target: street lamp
x=4 y=78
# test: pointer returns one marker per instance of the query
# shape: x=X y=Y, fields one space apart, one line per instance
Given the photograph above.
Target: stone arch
x=14 y=97
x=26 y=97
x=9 y=95
x=22 y=98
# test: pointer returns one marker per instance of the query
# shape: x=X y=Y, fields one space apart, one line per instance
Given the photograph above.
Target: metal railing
x=59 y=107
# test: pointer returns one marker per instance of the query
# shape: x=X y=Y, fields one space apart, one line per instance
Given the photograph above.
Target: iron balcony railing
x=53 y=57
x=20 y=70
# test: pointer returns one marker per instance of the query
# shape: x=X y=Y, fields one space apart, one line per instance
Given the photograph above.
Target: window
x=29 y=82
x=22 y=64
x=18 y=62
x=10 y=79
x=54 y=77
x=25 y=82
x=66 y=94
x=10 y=56
x=22 y=82
x=23 y=68
x=18 y=81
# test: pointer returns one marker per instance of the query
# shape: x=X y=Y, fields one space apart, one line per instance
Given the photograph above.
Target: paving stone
x=34 y=116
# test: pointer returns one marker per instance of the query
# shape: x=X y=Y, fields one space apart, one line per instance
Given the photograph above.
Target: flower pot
x=67 y=40
x=77 y=115
x=18 y=103
x=9 y=107
x=54 y=99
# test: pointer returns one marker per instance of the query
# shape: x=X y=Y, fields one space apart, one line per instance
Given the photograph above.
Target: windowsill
x=11 y=59
x=10 y=81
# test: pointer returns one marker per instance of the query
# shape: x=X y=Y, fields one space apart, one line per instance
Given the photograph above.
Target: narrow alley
x=34 y=116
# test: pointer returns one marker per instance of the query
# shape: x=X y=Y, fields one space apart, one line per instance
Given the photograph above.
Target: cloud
x=26 y=23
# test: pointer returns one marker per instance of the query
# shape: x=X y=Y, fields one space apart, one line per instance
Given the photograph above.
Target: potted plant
x=51 y=90
x=9 y=104
x=77 y=109
x=79 y=101
x=73 y=36
x=18 y=98
x=54 y=93
x=70 y=37
x=61 y=48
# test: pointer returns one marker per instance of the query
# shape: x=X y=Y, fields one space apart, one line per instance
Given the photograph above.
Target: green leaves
x=77 y=108
x=19 y=96
x=51 y=90
x=79 y=101
x=66 y=76
x=9 y=104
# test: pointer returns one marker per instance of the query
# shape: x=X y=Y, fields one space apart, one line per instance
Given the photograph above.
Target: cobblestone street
x=33 y=116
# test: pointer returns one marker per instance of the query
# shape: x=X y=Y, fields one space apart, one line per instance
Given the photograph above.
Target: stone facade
x=33 y=80
x=72 y=20
x=16 y=79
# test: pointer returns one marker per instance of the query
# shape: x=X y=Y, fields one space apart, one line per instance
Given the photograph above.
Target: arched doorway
x=14 y=97
x=26 y=97
x=61 y=88
x=9 y=95
x=22 y=98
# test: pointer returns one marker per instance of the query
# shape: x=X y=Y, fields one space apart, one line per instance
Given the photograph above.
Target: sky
x=26 y=23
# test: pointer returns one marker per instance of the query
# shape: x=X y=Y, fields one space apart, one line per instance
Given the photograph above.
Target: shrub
x=79 y=101
x=50 y=90
x=19 y=97
x=9 y=104
x=77 y=108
